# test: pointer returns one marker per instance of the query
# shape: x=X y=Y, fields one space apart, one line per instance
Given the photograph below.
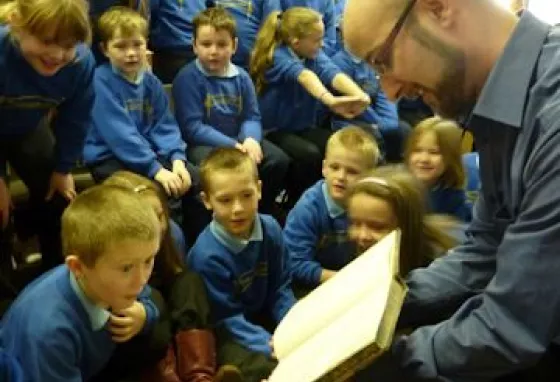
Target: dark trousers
x=167 y=63
x=307 y=151
x=272 y=171
x=189 y=211
x=395 y=141
x=32 y=157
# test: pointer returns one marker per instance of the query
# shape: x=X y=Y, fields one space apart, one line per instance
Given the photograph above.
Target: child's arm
x=164 y=132
x=152 y=312
x=281 y=297
x=228 y=310
x=301 y=235
x=384 y=112
x=251 y=129
x=189 y=95
x=74 y=117
x=120 y=133
x=53 y=359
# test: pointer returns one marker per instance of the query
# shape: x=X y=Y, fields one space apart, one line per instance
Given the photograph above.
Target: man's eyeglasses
x=380 y=61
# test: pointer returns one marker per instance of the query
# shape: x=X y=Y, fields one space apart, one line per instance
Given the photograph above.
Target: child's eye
x=127 y=268
x=247 y=195
x=149 y=261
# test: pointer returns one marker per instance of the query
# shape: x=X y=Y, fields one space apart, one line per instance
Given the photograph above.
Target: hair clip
x=279 y=16
x=140 y=188
x=373 y=179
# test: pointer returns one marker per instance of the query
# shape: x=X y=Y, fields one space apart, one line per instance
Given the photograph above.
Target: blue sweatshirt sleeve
x=281 y=298
x=384 y=112
x=512 y=269
x=152 y=312
x=329 y=19
x=326 y=70
x=301 y=235
x=53 y=359
x=227 y=309
x=251 y=125
x=119 y=131
x=285 y=67
x=73 y=118
x=165 y=134
x=189 y=95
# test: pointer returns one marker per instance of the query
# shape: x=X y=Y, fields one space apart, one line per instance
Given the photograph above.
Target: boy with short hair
x=243 y=261
x=216 y=104
x=64 y=325
x=315 y=230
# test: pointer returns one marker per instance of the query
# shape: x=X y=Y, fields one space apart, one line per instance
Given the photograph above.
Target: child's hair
x=356 y=139
x=63 y=20
x=448 y=135
x=423 y=235
x=102 y=216
x=225 y=159
x=168 y=262
x=217 y=17
x=279 y=28
x=123 y=19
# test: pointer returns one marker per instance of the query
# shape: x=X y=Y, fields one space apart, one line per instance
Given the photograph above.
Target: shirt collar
x=231 y=71
x=504 y=94
x=334 y=209
x=137 y=81
x=97 y=316
x=233 y=243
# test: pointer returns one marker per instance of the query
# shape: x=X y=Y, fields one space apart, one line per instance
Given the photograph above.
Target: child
x=242 y=259
x=291 y=74
x=249 y=17
x=188 y=320
x=65 y=325
x=216 y=105
x=318 y=221
x=133 y=127
x=171 y=31
x=381 y=115
x=388 y=198
x=433 y=155
x=48 y=72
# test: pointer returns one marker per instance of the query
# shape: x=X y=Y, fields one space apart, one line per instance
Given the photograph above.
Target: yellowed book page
x=347 y=335
x=330 y=300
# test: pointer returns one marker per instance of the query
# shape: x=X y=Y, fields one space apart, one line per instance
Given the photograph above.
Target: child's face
x=44 y=55
x=310 y=45
x=126 y=53
x=120 y=273
x=214 y=49
x=234 y=199
x=426 y=161
x=371 y=219
x=341 y=169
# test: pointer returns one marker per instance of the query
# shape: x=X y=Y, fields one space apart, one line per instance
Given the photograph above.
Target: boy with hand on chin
x=243 y=261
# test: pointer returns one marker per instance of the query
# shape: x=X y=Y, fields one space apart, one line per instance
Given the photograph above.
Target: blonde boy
x=65 y=325
x=319 y=219
x=242 y=259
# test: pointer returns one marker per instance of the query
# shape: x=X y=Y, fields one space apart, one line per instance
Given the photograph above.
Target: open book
x=346 y=322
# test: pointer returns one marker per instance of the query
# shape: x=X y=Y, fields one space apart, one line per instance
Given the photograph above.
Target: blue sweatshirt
x=172 y=23
x=286 y=105
x=56 y=334
x=450 y=201
x=325 y=8
x=314 y=218
x=249 y=16
x=472 y=189
x=132 y=123
x=381 y=112
x=216 y=110
x=26 y=97
x=244 y=277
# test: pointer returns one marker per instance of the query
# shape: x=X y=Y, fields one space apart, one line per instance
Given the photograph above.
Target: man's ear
x=75 y=265
x=439 y=10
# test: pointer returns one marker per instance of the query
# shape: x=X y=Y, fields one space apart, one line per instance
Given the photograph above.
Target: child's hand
x=5 y=204
x=346 y=106
x=128 y=322
x=241 y=148
x=271 y=343
x=180 y=170
x=171 y=182
x=254 y=150
x=63 y=184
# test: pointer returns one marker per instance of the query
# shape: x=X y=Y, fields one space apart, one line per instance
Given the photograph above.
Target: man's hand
x=63 y=184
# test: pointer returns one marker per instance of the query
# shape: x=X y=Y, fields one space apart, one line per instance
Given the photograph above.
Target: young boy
x=216 y=104
x=318 y=221
x=46 y=95
x=133 y=127
x=242 y=259
x=65 y=325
